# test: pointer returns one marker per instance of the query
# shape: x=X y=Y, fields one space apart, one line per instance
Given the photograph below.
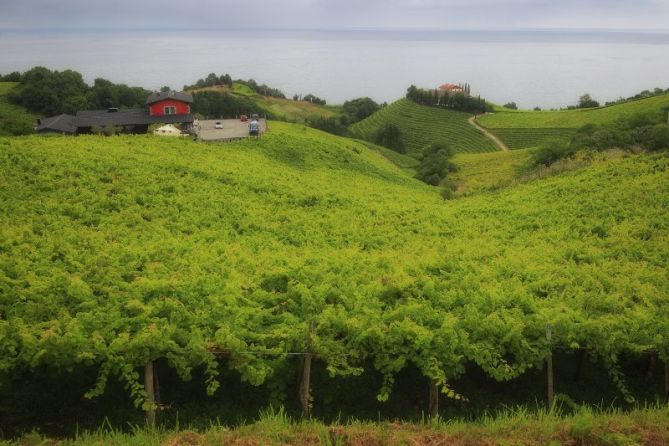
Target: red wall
x=157 y=108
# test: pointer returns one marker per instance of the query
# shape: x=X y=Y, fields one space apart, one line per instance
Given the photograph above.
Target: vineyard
x=525 y=138
x=525 y=129
x=14 y=120
x=422 y=126
x=286 y=109
x=247 y=261
x=573 y=118
x=488 y=171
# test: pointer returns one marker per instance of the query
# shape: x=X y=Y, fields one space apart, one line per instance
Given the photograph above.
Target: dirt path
x=494 y=139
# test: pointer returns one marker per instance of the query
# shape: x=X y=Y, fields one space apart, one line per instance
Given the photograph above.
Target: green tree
x=436 y=164
x=358 y=109
x=586 y=101
x=551 y=151
x=390 y=135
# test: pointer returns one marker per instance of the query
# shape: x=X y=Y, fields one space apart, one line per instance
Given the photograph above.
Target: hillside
x=488 y=171
x=285 y=109
x=14 y=120
x=213 y=261
x=422 y=126
x=523 y=129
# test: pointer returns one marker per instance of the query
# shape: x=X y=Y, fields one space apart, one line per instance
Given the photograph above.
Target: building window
x=170 y=110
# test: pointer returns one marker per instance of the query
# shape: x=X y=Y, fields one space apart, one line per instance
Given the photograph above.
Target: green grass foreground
x=647 y=426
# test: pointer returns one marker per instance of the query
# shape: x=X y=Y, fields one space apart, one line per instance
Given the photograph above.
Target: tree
x=165 y=88
x=586 y=101
x=436 y=164
x=313 y=99
x=657 y=137
x=389 y=135
x=511 y=106
x=358 y=109
x=551 y=151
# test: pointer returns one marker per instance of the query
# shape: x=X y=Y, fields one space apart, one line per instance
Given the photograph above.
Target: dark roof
x=157 y=96
x=61 y=123
x=133 y=116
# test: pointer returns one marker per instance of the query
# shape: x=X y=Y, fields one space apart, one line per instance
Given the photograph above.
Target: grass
x=282 y=108
x=524 y=138
x=242 y=89
x=422 y=126
x=572 y=119
x=643 y=426
x=488 y=171
x=406 y=163
x=14 y=120
x=296 y=111
x=524 y=129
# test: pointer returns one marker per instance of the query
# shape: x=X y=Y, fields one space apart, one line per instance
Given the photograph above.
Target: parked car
x=244 y=118
x=254 y=128
x=218 y=125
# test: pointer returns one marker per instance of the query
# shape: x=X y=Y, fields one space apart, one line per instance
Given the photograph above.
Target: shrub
x=551 y=151
x=657 y=138
x=436 y=164
x=389 y=135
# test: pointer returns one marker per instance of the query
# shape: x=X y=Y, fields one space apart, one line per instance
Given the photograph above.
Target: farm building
x=161 y=108
x=450 y=89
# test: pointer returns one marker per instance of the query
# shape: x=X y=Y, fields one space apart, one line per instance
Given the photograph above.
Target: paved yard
x=232 y=129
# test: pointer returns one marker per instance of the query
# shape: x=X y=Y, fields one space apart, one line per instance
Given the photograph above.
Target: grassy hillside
x=422 y=126
x=521 y=129
x=286 y=109
x=406 y=163
x=485 y=171
x=214 y=260
x=14 y=120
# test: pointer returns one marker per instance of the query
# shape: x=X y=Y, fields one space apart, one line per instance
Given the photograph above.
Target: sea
x=544 y=68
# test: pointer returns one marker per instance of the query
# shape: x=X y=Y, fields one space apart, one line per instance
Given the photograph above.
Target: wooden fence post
x=150 y=395
x=549 y=370
x=433 y=404
x=666 y=379
x=305 y=382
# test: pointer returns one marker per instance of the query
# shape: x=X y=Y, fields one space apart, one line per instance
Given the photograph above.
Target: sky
x=638 y=15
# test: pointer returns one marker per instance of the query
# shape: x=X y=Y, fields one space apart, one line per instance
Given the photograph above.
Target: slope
x=422 y=126
x=285 y=109
x=522 y=129
x=116 y=252
x=487 y=171
x=14 y=120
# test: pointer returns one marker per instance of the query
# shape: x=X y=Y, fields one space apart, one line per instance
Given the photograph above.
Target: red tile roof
x=450 y=87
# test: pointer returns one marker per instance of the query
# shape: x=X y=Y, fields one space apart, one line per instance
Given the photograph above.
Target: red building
x=163 y=103
x=167 y=107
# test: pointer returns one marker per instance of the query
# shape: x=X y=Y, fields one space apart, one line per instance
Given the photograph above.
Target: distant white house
x=168 y=130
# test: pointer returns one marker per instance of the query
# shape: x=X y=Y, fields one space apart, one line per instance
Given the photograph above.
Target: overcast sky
x=337 y=14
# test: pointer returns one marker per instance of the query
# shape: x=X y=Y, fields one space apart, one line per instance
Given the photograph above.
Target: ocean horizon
x=548 y=68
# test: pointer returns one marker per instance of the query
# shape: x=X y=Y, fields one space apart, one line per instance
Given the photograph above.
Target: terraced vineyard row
x=516 y=138
x=422 y=126
x=573 y=118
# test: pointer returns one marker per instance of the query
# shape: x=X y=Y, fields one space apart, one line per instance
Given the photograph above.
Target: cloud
x=226 y=14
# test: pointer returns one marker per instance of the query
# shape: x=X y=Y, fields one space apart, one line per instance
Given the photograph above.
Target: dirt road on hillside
x=494 y=139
